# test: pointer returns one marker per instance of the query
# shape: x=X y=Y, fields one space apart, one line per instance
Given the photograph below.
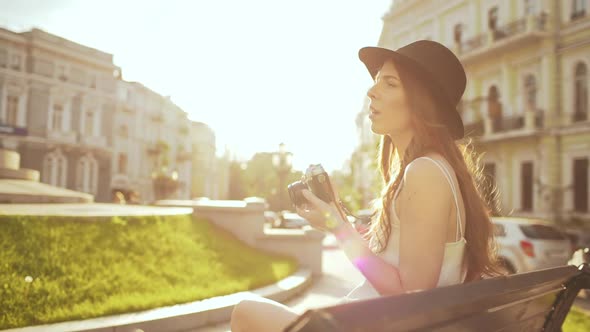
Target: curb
x=181 y=317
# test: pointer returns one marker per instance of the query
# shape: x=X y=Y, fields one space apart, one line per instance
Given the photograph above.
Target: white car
x=526 y=244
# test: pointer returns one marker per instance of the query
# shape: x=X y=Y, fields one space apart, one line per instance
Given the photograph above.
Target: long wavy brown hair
x=431 y=136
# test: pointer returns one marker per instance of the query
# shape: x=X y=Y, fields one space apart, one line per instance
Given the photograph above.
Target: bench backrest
x=533 y=301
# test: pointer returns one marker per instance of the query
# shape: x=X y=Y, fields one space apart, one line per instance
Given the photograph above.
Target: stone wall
x=245 y=219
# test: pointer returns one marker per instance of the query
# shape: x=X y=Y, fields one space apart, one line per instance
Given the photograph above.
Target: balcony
x=158 y=148
x=529 y=28
x=157 y=117
x=521 y=125
x=69 y=137
x=579 y=117
x=183 y=156
x=93 y=141
x=184 y=131
x=578 y=14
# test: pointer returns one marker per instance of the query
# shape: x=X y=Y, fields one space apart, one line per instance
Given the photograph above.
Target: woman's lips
x=373 y=113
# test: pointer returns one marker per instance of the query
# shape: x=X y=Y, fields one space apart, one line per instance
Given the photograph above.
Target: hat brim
x=374 y=57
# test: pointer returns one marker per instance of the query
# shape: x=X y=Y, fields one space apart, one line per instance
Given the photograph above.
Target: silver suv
x=526 y=244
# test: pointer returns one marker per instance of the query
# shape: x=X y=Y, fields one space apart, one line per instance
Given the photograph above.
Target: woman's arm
x=425 y=205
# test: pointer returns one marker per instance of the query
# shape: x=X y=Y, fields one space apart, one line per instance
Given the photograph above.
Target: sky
x=258 y=72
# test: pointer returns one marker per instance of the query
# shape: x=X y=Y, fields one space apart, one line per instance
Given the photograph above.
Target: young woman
x=432 y=228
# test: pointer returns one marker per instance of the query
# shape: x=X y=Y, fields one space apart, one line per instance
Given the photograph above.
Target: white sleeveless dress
x=453 y=269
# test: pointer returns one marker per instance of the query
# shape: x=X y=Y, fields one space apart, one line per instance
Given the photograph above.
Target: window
x=54 y=169
x=581 y=92
x=580 y=181
x=124 y=131
x=541 y=232
x=578 y=9
x=12 y=111
x=495 y=108
x=530 y=88
x=122 y=163
x=93 y=81
x=57 y=118
x=15 y=62
x=61 y=73
x=3 y=58
x=526 y=186
x=530 y=7
x=89 y=123
x=87 y=175
x=458 y=33
x=493 y=18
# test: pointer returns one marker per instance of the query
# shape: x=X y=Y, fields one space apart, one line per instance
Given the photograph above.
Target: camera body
x=315 y=180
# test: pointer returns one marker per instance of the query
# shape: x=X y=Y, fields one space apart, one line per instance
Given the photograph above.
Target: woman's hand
x=321 y=215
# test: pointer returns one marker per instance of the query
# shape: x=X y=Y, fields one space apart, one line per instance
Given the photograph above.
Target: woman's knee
x=241 y=314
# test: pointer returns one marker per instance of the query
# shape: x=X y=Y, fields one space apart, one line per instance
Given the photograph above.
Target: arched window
x=458 y=33
x=89 y=123
x=581 y=92
x=530 y=90
x=57 y=117
x=54 y=169
x=87 y=175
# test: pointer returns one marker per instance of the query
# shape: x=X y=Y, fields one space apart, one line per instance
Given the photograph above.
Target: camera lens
x=295 y=194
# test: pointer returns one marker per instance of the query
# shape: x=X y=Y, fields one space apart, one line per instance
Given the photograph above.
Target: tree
x=237 y=190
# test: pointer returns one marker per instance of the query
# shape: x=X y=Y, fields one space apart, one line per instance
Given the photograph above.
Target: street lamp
x=282 y=162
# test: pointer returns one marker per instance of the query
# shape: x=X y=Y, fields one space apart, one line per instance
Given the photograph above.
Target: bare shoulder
x=424 y=177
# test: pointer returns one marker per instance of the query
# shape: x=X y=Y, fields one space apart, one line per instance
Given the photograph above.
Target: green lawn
x=576 y=321
x=89 y=267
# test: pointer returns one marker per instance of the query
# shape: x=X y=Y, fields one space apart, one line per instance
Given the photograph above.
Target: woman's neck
x=401 y=142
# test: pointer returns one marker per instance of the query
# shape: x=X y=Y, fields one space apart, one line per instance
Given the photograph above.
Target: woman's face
x=389 y=112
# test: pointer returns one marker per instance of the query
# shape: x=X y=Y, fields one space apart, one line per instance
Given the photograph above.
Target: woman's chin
x=376 y=130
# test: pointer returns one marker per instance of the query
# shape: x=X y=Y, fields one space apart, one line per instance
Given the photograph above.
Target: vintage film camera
x=315 y=180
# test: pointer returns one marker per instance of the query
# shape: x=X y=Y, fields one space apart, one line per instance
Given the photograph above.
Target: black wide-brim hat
x=436 y=66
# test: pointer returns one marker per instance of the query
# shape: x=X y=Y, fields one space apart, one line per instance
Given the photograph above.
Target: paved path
x=339 y=278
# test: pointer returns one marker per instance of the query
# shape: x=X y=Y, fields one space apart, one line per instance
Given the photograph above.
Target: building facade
x=56 y=104
x=204 y=162
x=65 y=108
x=152 y=135
x=526 y=103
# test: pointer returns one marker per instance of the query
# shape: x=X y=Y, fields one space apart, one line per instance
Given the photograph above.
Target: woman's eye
x=391 y=84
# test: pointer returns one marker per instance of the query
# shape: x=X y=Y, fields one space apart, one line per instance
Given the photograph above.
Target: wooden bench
x=534 y=301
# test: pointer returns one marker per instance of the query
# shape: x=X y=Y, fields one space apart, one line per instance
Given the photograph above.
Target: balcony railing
x=183 y=156
x=158 y=117
x=527 y=121
x=507 y=123
x=578 y=14
x=94 y=141
x=515 y=28
x=62 y=136
x=580 y=116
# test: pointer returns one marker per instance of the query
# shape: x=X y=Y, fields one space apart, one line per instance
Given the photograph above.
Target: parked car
x=526 y=244
x=292 y=220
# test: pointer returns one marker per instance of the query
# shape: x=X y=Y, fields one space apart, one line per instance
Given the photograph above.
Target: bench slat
x=460 y=303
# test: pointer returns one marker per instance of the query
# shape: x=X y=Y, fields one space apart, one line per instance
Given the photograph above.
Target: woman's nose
x=371 y=92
